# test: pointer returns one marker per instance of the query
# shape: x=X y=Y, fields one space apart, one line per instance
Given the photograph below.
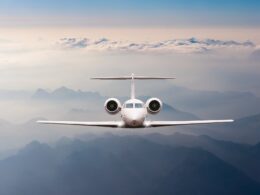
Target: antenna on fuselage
x=132 y=78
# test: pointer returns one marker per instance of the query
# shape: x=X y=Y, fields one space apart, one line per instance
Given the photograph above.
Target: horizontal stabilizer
x=132 y=77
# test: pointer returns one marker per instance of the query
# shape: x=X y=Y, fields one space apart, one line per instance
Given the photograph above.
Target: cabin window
x=129 y=105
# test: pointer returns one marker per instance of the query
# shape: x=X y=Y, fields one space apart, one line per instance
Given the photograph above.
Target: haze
x=50 y=49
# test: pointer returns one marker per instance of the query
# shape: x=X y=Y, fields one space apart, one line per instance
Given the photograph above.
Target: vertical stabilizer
x=132 y=86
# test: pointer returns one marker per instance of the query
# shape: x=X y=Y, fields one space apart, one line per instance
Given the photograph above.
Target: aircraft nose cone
x=134 y=123
x=135 y=118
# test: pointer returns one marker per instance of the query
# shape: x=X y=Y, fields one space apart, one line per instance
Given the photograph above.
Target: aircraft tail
x=130 y=78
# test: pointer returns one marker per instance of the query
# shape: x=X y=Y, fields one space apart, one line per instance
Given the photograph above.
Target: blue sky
x=61 y=5
x=165 y=12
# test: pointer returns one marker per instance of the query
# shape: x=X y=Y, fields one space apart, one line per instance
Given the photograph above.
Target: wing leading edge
x=117 y=124
x=114 y=124
x=177 y=123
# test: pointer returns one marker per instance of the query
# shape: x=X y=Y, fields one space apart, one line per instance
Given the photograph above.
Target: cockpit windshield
x=129 y=105
x=138 y=105
x=132 y=105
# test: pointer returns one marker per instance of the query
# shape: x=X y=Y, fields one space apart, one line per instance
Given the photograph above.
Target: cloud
x=74 y=43
x=192 y=45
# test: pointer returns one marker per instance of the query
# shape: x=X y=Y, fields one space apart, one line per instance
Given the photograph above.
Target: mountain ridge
x=116 y=165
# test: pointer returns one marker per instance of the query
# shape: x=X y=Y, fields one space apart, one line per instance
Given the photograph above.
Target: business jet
x=134 y=111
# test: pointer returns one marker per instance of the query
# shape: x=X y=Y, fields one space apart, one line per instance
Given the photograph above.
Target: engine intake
x=154 y=105
x=112 y=106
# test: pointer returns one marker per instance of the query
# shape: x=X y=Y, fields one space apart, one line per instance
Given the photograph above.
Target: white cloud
x=174 y=46
x=191 y=45
x=32 y=63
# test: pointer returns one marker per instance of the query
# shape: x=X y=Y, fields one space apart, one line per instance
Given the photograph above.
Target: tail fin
x=132 y=78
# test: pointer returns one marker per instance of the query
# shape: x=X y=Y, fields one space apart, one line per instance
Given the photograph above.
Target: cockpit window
x=129 y=105
x=138 y=105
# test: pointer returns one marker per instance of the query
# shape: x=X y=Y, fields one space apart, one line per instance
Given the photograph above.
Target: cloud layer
x=192 y=45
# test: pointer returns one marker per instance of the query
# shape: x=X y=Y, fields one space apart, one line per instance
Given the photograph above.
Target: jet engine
x=154 y=105
x=112 y=106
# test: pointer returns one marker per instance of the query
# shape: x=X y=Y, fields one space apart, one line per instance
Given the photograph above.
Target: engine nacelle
x=154 y=105
x=112 y=106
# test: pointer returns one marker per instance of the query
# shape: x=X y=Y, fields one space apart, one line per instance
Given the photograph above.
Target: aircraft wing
x=82 y=123
x=176 y=123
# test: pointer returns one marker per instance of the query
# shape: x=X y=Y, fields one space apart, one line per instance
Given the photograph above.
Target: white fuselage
x=133 y=113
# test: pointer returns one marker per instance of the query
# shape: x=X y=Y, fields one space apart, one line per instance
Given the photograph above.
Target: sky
x=207 y=45
x=133 y=13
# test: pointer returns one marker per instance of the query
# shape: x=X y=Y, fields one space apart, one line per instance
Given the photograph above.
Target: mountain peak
x=64 y=93
x=63 y=90
x=41 y=93
x=34 y=147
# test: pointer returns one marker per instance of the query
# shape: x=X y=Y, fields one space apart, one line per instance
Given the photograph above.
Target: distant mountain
x=119 y=165
x=41 y=93
x=170 y=113
x=64 y=93
x=208 y=104
x=205 y=104
x=245 y=130
x=244 y=157
x=250 y=122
